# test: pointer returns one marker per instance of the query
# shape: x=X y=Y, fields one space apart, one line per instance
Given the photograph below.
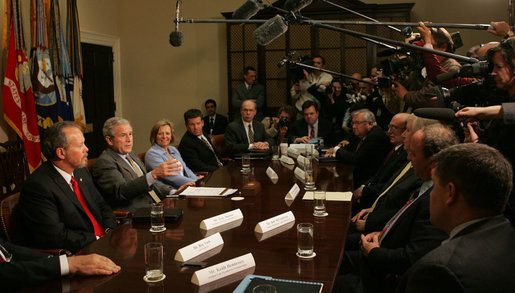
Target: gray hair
x=111 y=123
x=368 y=116
x=437 y=137
x=55 y=138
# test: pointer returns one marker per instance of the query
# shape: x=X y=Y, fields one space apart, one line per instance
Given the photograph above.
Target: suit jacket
x=325 y=129
x=120 y=185
x=197 y=155
x=52 y=216
x=219 y=126
x=26 y=267
x=156 y=155
x=369 y=157
x=478 y=259
x=236 y=137
x=255 y=92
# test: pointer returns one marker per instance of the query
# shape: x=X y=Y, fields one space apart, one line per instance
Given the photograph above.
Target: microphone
x=286 y=59
x=447 y=76
x=443 y=114
x=270 y=30
x=296 y=5
x=247 y=10
x=176 y=37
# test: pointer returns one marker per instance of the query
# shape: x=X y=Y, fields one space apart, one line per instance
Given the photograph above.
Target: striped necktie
x=136 y=169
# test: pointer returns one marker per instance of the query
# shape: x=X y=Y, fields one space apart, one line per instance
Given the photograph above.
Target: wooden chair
x=14 y=168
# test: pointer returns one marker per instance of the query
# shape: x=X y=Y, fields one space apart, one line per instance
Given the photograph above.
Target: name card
x=222 y=219
x=223 y=269
x=293 y=152
x=263 y=236
x=287 y=160
x=300 y=174
x=272 y=223
x=294 y=191
x=301 y=160
x=200 y=247
x=272 y=175
x=220 y=229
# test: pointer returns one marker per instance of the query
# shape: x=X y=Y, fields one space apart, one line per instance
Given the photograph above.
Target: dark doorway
x=97 y=93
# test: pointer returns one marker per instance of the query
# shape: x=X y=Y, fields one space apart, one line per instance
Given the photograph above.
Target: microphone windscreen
x=444 y=114
x=296 y=5
x=270 y=30
x=176 y=38
x=246 y=11
x=447 y=76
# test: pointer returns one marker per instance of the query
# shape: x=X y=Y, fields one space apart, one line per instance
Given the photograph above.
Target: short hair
x=506 y=48
x=368 y=116
x=419 y=122
x=192 y=113
x=111 y=123
x=247 y=69
x=442 y=37
x=436 y=137
x=319 y=56
x=56 y=138
x=249 y=100
x=481 y=173
x=289 y=109
x=209 y=101
x=310 y=103
x=155 y=130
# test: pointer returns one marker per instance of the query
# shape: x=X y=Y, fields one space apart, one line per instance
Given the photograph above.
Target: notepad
x=331 y=196
x=281 y=285
x=208 y=191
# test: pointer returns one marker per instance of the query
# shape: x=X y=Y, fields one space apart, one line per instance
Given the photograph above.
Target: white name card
x=293 y=152
x=272 y=175
x=223 y=269
x=287 y=160
x=301 y=160
x=300 y=174
x=272 y=223
x=294 y=191
x=222 y=219
x=202 y=246
x=263 y=236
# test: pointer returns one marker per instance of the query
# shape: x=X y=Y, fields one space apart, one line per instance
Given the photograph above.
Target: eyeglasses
x=358 y=122
x=393 y=127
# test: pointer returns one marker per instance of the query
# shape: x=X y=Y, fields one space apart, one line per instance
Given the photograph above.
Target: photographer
x=280 y=127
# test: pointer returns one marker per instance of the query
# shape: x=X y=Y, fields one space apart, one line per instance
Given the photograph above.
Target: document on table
x=208 y=191
x=331 y=196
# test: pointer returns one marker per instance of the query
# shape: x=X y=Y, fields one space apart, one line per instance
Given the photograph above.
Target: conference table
x=274 y=256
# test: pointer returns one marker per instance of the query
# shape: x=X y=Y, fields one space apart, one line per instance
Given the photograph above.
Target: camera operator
x=299 y=91
x=280 y=127
x=441 y=40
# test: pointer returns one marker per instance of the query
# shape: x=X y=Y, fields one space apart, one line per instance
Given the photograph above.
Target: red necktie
x=389 y=155
x=99 y=230
x=312 y=133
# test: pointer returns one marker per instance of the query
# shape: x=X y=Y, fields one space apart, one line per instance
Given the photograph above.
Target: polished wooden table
x=274 y=256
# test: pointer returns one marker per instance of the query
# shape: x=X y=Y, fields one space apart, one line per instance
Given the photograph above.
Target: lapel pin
x=80 y=179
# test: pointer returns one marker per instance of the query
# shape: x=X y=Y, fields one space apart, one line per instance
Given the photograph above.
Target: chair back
x=9 y=218
x=14 y=168
x=219 y=143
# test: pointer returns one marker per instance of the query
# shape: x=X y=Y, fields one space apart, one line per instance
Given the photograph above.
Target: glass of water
x=245 y=163
x=157 y=218
x=305 y=240
x=275 y=152
x=319 y=208
x=154 y=262
x=309 y=183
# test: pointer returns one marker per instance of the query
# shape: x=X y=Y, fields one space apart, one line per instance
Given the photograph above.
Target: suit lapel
x=243 y=132
x=124 y=165
x=65 y=187
x=92 y=205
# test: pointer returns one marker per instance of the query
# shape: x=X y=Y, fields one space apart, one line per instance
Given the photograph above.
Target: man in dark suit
x=312 y=126
x=472 y=183
x=20 y=266
x=249 y=89
x=214 y=123
x=369 y=153
x=121 y=176
x=196 y=148
x=246 y=134
x=59 y=204
x=408 y=235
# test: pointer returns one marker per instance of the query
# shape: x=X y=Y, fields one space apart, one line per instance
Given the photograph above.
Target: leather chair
x=14 y=168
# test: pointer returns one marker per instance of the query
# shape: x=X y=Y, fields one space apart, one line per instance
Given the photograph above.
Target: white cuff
x=63 y=263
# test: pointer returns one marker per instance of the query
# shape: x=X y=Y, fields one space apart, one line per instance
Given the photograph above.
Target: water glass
x=275 y=152
x=245 y=163
x=305 y=239
x=319 y=208
x=154 y=262
x=284 y=149
x=157 y=218
x=309 y=183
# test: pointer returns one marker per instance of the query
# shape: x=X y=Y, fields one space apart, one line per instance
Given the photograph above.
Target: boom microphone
x=443 y=114
x=296 y=5
x=176 y=37
x=247 y=10
x=270 y=30
x=447 y=76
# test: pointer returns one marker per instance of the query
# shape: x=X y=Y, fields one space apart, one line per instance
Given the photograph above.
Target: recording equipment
x=176 y=37
x=296 y=5
x=270 y=30
x=443 y=114
x=284 y=121
x=247 y=10
x=480 y=68
x=286 y=59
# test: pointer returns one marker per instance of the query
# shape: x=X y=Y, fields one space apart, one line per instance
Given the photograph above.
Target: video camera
x=297 y=72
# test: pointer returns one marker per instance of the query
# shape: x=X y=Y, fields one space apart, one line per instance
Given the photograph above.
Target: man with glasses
x=371 y=150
